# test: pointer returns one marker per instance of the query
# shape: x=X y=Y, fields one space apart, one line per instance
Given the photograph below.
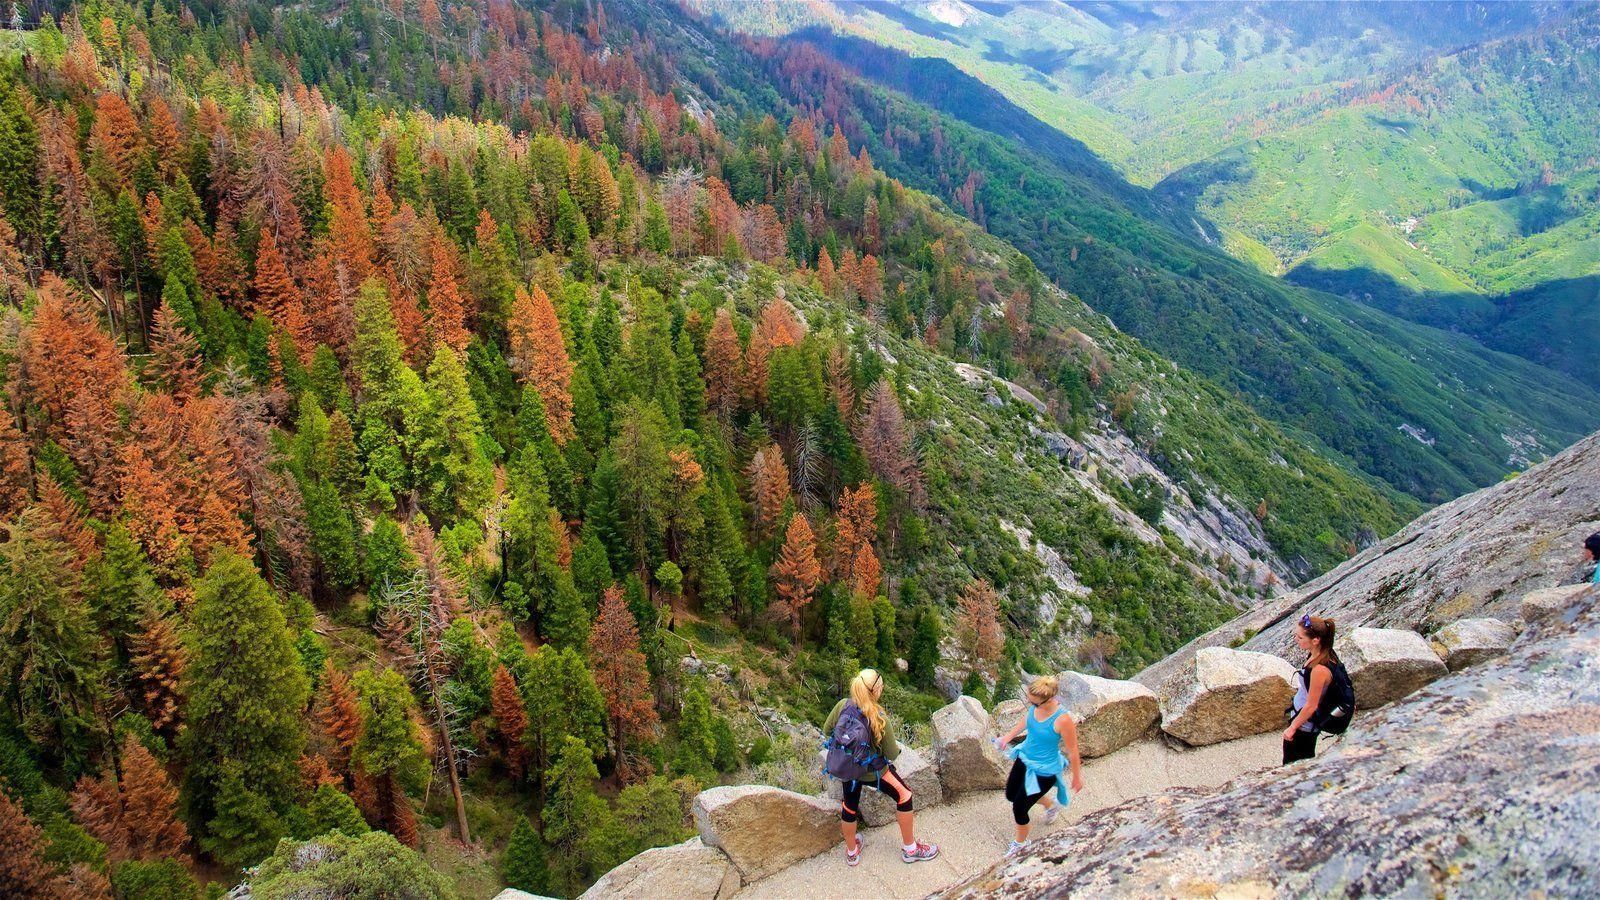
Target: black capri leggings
x=888 y=781
x=1304 y=746
x=1021 y=801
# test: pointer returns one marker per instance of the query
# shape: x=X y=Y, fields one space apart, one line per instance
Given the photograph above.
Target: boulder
x=966 y=759
x=764 y=829
x=1547 y=603
x=1111 y=714
x=1386 y=664
x=919 y=773
x=1004 y=716
x=1471 y=641
x=689 y=869
x=1226 y=694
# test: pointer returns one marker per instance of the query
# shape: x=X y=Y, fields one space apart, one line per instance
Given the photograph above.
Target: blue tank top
x=1041 y=751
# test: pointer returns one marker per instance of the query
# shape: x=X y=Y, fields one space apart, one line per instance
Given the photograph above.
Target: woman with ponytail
x=866 y=689
x=1315 y=636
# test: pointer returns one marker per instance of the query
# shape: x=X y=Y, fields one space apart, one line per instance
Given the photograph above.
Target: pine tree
x=149 y=804
x=278 y=298
x=539 y=356
x=923 y=656
x=174 y=355
x=562 y=702
x=511 y=720
x=447 y=314
x=51 y=659
x=573 y=815
x=246 y=697
x=796 y=573
x=623 y=679
x=389 y=750
x=769 y=489
x=591 y=568
x=339 y=717
x=523 y=864
x=159 y=661
x=724 y=367
x=980 y=631
x=854 y=524
x=643 y=477
x=886 y=442
x=458 y=478
x=697 y=747
x=23 y=870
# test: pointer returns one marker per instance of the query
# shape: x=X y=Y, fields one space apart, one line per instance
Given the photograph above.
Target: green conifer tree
x=923 y=655
x=247 y=697
x=458 y=477
x=51 y=660
x=573 y=817
x=523 y=864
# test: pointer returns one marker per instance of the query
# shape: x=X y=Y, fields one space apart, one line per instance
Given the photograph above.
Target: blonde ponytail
x=864 y=691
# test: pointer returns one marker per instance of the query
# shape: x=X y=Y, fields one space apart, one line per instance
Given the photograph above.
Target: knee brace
x=846 y=814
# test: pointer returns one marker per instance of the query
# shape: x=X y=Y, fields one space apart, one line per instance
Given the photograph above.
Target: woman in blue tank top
x=1051 y=742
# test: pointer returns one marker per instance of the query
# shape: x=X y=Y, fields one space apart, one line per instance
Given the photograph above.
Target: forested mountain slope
x=1434 y=159
x=1359 y=380
x=394 y=393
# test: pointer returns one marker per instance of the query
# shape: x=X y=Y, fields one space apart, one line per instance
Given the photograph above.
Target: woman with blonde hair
x=1052 y=740
x=862 y=750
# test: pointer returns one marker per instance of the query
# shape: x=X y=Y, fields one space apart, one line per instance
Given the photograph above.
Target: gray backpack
x=850 y=753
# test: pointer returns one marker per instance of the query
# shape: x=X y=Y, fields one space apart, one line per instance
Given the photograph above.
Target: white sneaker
x=1015 y=848
x=1050 y=813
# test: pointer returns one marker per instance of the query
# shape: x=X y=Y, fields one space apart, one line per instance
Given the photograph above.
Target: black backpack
x=850 y=753
x=1338 y=703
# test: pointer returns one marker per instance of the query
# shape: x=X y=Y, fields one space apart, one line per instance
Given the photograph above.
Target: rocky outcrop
x=689 y=869
x=1386 y=664
x=1475 y=556
x=967 y=760
x=1111 y=714
x=1551 y=602
x=1472 y=641
x=763 y=829
x=1227 y=694
x=919 y=772
x=1418 y=800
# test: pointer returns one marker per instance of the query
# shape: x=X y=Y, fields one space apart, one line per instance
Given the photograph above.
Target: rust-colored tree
x=447 y=313
x=279 y=298
x=865 y=572
x=339 y=717
x=159 y=660
x=174 y=362
x=78 y=376
x=354 y=252
x=23 y=870
x=886 y=441
x=539 y=356
x=149 y=803
x=510 y=720
x=979 y=631
x=724 y=367
x=796 y=573
x=854 y=523
x=778 y=328
x=16 y=471
x=624 y=680
x=769 y=488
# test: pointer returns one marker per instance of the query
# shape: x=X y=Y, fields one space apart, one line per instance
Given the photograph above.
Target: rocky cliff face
x=1474 y=556
x=1486 y=783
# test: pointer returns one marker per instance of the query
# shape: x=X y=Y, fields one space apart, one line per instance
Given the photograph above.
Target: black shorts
x=888 y=782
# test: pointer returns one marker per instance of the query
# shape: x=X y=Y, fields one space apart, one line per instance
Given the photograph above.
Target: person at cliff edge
x=1591 y=554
